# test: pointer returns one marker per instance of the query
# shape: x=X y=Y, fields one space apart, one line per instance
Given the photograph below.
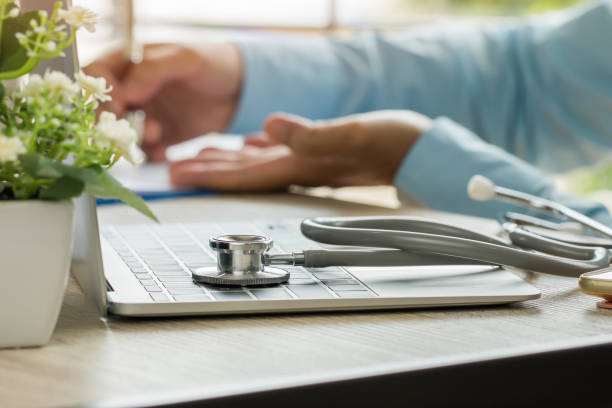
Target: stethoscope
x=245 y=260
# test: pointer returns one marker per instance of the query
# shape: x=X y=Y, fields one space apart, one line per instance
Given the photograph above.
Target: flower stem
x=30 y=64
x=1 y=21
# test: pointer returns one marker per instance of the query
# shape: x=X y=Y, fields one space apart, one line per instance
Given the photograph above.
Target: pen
x=132 y=49
x=133 y=53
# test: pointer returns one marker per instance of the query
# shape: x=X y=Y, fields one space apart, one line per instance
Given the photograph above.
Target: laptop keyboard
x=161 y=257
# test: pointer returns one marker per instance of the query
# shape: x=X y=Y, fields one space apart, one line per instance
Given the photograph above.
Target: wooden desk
x=140 y=361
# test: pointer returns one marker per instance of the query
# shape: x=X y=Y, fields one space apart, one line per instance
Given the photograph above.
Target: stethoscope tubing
x=572 y=230
x=432 y=242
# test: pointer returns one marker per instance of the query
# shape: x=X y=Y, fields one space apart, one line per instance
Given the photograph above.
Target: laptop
x=145 y=270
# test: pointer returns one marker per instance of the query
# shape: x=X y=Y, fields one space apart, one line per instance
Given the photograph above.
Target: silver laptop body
x=144 y=270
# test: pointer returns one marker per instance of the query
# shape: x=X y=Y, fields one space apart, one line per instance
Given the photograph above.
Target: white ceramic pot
x=35 y=262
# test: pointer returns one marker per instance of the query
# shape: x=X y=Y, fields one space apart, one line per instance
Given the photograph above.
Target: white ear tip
x=481 y=188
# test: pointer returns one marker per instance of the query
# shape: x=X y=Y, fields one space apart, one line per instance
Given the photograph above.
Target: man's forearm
x=440 y=164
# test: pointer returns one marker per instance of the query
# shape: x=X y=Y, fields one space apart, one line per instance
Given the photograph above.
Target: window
x=195 y=20
x=314 y=13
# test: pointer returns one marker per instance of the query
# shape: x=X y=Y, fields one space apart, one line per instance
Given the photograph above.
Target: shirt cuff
x=441 y=163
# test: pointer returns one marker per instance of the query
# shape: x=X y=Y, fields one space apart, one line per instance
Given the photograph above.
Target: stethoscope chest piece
x=240 y=263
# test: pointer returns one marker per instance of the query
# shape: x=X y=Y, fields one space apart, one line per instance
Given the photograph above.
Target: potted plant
x=53 y=147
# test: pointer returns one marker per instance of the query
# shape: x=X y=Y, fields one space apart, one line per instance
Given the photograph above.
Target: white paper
x=154 y=177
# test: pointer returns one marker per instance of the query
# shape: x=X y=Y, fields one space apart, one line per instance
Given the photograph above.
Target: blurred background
x=125 y=22
x=193 y=20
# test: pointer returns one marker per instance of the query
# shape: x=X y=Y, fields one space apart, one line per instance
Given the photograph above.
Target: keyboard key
x=270 y=293
x=187 y=249
x=176 y=271
x=160 y=257
x=189 y=284
x=152 y=288
x=216 y=288
x=196 y=258
x=151 y=253
x=157 y=264
x=185 y=291
x=199 y=257
x=313 y=291
x=300 y=281
x=191 y=298
x=332 y=275
x=345 y=282
x=186 y=278
x=326 y=269
x=166 y=268
x=173 y=273
x=143 y=276
x=226 y=295
x=159 y=297
x=346 y=288
x=298 y=273
x=138 y=269
x=147 y=282
x=356 y=294
x=196 y=265
x=134 y=265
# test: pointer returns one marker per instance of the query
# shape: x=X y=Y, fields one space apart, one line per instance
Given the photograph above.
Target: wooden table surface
x=122 y=361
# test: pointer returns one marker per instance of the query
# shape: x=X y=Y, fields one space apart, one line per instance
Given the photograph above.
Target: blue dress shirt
x=508 y=97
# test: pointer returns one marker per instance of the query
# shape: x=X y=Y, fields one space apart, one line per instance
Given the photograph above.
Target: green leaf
x=63 y=188
x=12 y=55
x=45 y=168
x=31 y=164
x=111 y=188
x=94 y=178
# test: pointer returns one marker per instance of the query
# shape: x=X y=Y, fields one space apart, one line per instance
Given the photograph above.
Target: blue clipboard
x=160 y=195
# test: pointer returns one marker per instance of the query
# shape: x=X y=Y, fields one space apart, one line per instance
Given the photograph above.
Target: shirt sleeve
x=443 y=160
x=315 y=77
x=539 y=88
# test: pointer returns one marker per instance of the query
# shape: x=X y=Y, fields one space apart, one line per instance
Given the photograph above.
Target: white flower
x=95 y=87
x=80 y=17
x=33 y=86
x=10 y=148
x=50 y=46
x=117 y=134
x=56 y=84
x=22 y=38
x=14 y=12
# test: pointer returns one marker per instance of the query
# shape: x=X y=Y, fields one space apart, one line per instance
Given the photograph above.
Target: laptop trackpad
x=443 y=281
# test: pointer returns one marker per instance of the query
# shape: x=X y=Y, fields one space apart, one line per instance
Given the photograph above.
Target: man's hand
x=185 y=92
x=364 y=149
